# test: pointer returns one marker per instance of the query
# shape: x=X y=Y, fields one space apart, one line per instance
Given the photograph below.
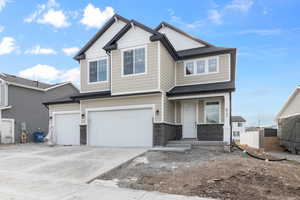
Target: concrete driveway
x=39 y=172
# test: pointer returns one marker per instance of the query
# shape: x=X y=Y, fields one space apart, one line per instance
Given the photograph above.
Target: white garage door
x=121 y=128
x=67 y=128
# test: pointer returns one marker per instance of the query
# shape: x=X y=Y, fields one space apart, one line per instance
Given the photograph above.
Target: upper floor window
x=98 y=71
x=134 y=61
x=2 y=94
x=202 y=66
x=240 y=124
x=212 y=112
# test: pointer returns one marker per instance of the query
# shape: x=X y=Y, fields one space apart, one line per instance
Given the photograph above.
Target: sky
x=38 y=39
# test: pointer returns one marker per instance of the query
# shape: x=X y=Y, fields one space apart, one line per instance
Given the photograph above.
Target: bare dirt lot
x=210 y=173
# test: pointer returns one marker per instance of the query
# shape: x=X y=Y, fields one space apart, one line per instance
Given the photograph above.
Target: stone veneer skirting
x=210 y=132
x=83 y=135
x=163 y=132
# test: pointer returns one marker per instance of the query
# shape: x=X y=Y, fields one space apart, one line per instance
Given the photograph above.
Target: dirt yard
x=210 y=173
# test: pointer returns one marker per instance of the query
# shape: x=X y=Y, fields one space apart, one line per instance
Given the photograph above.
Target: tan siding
x=293 y=107
x=125 y=101
x=169 y=111
x=201 y=105
x=143 y=82
x=222 y=75
x=167 y=69
x=63 y=108
x=85 y=86
x=178 y=112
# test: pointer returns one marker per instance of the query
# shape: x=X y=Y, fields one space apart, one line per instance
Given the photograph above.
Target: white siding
x=96 y=50
x=180 y=41
x=134 y=37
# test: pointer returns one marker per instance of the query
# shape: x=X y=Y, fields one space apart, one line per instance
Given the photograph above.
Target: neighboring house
x=288 y=122
x=238 y=127
x=21 y=105
x=143 y=87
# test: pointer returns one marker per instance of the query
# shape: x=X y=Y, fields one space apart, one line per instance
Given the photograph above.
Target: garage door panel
x=122 y=128
x=67 y=129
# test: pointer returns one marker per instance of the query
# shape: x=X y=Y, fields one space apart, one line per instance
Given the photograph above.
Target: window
x=202 y=66
x=2 y=94
x=134 y=61
x=236 y=133
x=212 y=112
x=212 y=65
x=98 y=71
x=240 y=124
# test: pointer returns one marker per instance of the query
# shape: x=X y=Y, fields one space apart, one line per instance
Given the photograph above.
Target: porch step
x=179 y=145
x=195 y=143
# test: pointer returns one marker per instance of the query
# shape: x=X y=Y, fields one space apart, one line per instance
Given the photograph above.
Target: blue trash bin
x=38 y=137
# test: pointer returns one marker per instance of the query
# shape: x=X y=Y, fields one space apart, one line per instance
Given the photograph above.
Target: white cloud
x=70 y=51
x=262 y=32
x=2 y=4
x=7 y=45
x=1 y=29
x=94 y=18
x=241 y=5
x=50 y=74
x=215 y=16
x=56 y=18
x=49 y=14
x=38 y=50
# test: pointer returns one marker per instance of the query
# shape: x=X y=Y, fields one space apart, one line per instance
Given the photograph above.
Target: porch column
x=227 y=125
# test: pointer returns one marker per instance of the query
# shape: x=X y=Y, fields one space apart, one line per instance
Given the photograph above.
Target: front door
x=189 y=120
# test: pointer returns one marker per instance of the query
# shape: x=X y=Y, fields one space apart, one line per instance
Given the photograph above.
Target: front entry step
x=195 y=143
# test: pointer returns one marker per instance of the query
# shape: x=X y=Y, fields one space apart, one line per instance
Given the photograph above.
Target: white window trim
x=88 y=70
x=194 y=61
x=220 y=111
x=122 y=62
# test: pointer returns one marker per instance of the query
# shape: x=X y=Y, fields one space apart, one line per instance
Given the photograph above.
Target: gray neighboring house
x=21 y=105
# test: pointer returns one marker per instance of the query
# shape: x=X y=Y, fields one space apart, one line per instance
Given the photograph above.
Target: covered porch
x=203 y=117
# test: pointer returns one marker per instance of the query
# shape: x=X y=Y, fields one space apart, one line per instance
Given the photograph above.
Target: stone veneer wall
x=210 y=132
x=83 y=135
x=162 y=133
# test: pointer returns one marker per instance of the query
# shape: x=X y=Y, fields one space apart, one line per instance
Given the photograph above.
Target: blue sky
x=38 y=39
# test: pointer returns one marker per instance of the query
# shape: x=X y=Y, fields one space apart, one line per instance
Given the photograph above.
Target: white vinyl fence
x=251 y=138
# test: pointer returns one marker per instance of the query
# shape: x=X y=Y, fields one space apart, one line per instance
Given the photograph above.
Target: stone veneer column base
x=163 y=132
x=210 y=132
x=83 y=135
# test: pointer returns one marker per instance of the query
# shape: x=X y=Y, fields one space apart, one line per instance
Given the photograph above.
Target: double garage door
x=110 y=128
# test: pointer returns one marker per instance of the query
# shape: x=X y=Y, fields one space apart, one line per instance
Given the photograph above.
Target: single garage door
x=121 y=128
x=67 y=128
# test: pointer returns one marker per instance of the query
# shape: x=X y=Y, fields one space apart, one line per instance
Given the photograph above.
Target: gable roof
x=156 y=36
x=23 y=81
x=291 y=97
x=162 y=24
x=80 y=54
x=237 y=119
x=30 y=84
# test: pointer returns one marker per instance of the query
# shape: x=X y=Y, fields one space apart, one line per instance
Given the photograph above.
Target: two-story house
x=143 y=87
x=21 y=105
x=238 y=127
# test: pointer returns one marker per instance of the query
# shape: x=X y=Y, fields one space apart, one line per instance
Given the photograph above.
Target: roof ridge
x=27 y=79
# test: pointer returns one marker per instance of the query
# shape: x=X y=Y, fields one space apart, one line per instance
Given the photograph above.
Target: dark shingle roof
x=25 y=82
x=202 y=88
x=237 y=119
x=203 y=51
x=63 y=100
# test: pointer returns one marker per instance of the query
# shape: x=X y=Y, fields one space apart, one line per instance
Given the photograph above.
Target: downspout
x=230 y=98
